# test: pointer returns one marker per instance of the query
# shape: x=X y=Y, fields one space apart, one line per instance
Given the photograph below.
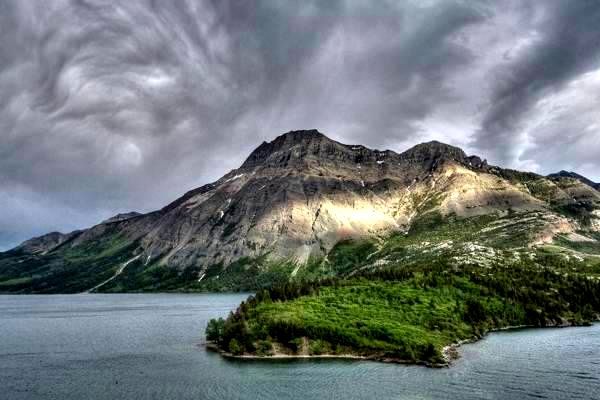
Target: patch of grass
x=246 y=274
x=347 y=255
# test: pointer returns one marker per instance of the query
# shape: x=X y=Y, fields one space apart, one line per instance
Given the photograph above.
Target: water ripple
x=144 y=346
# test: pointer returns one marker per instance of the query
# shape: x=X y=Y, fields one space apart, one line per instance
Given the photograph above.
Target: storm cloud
x=110 y=106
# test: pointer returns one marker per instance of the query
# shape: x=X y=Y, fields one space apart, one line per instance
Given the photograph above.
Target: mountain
x=292 y=203
x=573 y=175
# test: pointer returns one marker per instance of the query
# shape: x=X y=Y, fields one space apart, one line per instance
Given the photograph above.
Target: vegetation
x=245 y=274
x=407 y=295
x=404 y=312
x=65 y=270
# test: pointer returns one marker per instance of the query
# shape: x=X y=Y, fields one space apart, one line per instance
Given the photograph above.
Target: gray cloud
x=564 y=43
x=111 y=106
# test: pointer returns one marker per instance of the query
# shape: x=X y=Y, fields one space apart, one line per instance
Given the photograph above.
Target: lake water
x=146 y=346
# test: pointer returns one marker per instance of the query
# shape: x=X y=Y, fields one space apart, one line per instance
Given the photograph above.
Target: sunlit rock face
x=298 y=196
x=596 y=220
x=302 y=193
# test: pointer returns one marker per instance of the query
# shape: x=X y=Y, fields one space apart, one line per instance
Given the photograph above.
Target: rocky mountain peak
x=293 y=145
x=300 y=136
x=434 y=152
x=300 y=148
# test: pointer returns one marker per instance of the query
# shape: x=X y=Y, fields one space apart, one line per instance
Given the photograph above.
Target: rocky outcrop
x=121 y=217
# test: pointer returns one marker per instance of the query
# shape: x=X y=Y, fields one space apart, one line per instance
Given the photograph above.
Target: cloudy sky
x=109 y=106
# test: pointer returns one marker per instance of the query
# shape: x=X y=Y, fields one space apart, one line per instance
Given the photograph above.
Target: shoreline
x=283 y=356
x=450 y=353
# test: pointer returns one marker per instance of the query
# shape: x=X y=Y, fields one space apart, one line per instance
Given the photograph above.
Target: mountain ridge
x=295 y=198
x=290 y=150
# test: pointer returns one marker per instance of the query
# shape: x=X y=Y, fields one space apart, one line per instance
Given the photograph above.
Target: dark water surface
x=145 y=346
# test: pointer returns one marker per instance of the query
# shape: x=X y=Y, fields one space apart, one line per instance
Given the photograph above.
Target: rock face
x=302 y=193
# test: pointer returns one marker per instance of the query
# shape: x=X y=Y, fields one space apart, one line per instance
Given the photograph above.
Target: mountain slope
x=290 y=204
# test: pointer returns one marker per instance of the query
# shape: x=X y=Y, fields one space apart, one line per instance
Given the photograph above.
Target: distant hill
x=573 y=175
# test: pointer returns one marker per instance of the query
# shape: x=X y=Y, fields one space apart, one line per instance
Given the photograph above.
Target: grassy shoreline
x=283 y=356
x=450 y=353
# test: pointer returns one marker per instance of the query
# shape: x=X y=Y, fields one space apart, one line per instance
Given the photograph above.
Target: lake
x=147 y=346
